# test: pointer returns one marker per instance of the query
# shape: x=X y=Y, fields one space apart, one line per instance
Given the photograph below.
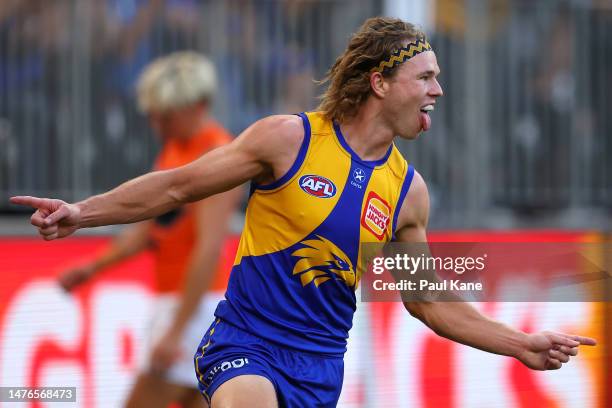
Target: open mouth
x=427 y=108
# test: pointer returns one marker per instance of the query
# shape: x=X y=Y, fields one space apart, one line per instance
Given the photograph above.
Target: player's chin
x=411 y=135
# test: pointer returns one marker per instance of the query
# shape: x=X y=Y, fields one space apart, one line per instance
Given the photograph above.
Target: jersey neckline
x=355 y=156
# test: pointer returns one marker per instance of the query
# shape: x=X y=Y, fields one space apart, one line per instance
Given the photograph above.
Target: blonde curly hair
x=174 y=81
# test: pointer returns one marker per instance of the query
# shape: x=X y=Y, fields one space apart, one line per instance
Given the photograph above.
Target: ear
x=378 y=84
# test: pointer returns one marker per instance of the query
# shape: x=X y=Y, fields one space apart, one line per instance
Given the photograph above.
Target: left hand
x=166 y=352
x=549 y=350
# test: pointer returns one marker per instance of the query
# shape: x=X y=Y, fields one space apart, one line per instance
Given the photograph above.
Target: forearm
x=212 y=219
x=144 y=197
x=461 y=322
x=200 y=273
x=128 y=243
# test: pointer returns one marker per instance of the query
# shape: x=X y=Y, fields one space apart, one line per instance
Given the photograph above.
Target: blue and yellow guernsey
x=297 y=268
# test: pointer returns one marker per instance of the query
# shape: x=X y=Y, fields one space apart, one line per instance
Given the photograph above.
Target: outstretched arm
x=260 y=152
x=461 y=322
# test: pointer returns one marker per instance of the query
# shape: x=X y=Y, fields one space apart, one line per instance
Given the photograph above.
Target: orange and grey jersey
x=297 y=267
x=174 y=234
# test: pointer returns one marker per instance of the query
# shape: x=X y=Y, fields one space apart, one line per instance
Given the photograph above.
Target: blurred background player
x=175 y=92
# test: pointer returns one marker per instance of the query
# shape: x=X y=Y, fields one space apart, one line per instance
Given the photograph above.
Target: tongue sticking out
x=425 y=121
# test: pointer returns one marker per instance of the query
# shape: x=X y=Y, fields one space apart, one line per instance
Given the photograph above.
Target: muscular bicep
x=414 y=213
x=260 y=152
x=218 y=170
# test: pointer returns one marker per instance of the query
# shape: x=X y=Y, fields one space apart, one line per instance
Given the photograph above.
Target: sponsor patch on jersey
x=317 y=186
x=376 y=215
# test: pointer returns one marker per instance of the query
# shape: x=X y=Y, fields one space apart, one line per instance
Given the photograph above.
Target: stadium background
x=519 y=150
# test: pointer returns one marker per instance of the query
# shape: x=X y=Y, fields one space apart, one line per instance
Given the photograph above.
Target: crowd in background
x=68 y=124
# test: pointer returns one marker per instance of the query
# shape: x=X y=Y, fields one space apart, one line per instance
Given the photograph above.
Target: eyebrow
x=429 y=72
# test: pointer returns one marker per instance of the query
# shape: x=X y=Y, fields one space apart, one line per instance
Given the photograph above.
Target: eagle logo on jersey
x=320 y=261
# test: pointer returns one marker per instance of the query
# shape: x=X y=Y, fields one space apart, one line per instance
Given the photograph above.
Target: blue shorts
x=300 y=379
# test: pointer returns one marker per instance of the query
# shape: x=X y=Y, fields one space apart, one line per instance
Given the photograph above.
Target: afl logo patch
x=317 y=186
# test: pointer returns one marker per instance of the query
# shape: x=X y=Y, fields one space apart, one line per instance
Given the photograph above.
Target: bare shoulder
x=274 y=131
x=289 y=127
x=276 y=141
x=415 y=207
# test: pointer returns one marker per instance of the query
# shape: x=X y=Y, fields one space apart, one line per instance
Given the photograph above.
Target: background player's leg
x=245 y=391
x=194 y=400
x=152 y=391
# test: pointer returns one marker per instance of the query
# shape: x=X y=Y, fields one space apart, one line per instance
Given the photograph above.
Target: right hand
x=54 y=218
x=75 y=277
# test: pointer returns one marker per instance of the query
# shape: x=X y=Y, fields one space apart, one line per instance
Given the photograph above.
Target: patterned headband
x=403 y=54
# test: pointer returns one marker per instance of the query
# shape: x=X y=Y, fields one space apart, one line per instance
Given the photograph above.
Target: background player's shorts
x=300 y=379
x=163 y=311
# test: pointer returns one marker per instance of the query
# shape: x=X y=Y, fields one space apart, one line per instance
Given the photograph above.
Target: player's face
x=179 y=124
x=412 y=95
x=166 y=124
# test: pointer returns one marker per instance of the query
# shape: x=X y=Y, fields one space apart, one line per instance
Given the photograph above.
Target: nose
x=436 y=89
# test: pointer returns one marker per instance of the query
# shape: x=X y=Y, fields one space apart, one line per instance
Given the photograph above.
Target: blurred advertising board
x=90 y=339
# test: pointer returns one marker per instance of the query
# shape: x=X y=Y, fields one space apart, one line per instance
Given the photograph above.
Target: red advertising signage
x=90 y=339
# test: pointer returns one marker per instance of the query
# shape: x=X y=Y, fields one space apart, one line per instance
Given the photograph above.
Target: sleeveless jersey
x=174 y=233
x=296 y=270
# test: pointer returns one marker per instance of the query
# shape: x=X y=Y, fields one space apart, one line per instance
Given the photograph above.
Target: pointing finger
x=34 y=202
x=586 y=341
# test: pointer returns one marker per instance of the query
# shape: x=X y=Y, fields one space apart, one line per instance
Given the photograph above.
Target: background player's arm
x=264 y=152
x=129 y=242
x=212 y=219
x=461 y=322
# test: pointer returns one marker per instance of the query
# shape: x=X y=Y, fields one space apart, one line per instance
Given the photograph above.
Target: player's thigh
x=152 y=391
x=245 y=391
